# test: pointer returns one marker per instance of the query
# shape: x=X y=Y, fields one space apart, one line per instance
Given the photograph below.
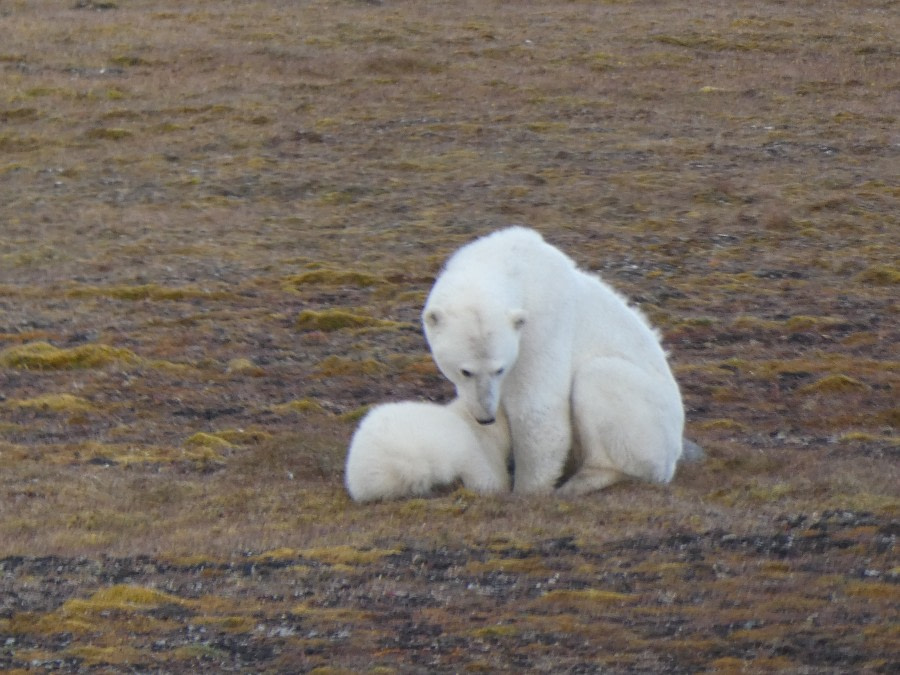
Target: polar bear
x=408 y=448
x=514 y=324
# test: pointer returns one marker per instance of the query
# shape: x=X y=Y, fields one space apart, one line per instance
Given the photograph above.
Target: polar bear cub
x=408 y=448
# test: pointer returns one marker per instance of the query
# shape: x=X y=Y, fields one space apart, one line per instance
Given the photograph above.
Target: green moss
x=337 y=198
x=530 y=565
x=142 y=292
x=244 y=366
x=725 y=424
x=872 y=589
x=243 y=436
x=44 y=356
x=127 y=596
x=834 y=384
x=881 y=275
x=228 y=624
x=18 y=114
x=347 y=555
x=329 y=320
x=334 y=365
x=119 y=605
x=278 y=554
x=53 y=403
x=128 y=60
x=497 y=631
x=865 y=437
x=332 y=277
x=15 y=143
x=93 y=655
x=355 y=415
x=745 y=322
x=322 y=615
x=755 y=492
x=303 y=405
x=210 y=441
x=329 y=670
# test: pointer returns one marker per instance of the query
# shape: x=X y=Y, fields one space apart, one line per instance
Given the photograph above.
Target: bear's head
x=476 y=352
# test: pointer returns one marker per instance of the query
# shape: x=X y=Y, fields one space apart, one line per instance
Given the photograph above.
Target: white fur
x=513 y=323
x=408 y=448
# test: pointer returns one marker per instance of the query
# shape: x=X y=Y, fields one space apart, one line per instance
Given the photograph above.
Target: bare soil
x=219 y=222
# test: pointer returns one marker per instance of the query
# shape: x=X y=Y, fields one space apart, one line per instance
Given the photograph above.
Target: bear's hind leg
x=590 y=479
x=628 y=420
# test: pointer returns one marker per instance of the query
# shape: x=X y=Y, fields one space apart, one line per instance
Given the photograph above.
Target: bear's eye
x=498 y=372
x=466 y=373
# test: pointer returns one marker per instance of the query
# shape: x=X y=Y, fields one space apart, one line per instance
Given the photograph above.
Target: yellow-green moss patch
x=329 y=320
x=209 y=441
x=346 y=555
x=881 y=275
x=94 y=655
x=834 y=384
x=724 y=424
x=243 y=436
x=335 y=365
x=303 y=405
x=756 y=492
x=228 y=624
x=330 y=614
x=124 y=604
x=126 y=596
x=143 y=292
x=277 y=554
x=244 y=366
x=332 y=277
x=44 y=356
x=530 y=565
x=355 y=415
x=496 y=631
x=866 y=437
x=66 y=403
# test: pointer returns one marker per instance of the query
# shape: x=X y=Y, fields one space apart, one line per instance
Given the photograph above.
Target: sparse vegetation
x=219 y=225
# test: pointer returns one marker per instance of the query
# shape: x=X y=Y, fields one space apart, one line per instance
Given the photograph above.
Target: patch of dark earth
x=431 y=580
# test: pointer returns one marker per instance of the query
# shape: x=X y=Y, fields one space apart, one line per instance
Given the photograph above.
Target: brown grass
x=219 y=224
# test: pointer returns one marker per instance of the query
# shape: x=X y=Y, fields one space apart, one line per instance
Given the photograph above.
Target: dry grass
x=219 y=224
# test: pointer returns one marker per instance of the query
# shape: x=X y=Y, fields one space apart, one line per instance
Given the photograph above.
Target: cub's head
x=475 y=351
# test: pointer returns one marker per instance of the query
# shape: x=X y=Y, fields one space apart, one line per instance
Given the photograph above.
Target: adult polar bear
x=513 y=323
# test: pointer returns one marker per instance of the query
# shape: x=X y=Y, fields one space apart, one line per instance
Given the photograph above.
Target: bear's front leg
x=541 y=442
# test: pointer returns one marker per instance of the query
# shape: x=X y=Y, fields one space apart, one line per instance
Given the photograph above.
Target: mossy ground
x=219 y=224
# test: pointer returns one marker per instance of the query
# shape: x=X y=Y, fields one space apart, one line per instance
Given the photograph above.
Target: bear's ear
x=432 y=318
x=517 y=318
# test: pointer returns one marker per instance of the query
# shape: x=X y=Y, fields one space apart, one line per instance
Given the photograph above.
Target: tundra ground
x=219 y=222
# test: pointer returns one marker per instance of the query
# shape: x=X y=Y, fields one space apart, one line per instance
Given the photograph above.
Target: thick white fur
x=409 y=448
x=514 y=324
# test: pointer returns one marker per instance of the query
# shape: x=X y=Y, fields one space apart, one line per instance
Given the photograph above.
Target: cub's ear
x=432 y=318
x=517 y=318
